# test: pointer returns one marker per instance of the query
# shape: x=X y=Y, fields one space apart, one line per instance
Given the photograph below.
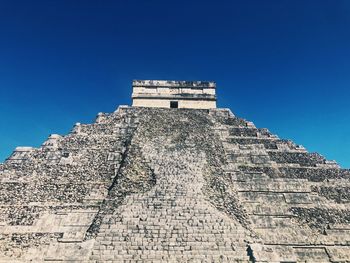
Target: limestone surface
x=172 y=185
x=174 y=94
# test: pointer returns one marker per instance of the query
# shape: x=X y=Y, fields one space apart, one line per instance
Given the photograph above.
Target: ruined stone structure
x=174 y=94
x=147 y=184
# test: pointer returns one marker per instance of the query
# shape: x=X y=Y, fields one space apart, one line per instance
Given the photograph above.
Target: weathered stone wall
x=188 y=94
x=296 y=201
x=182 y=104
x=172 y=185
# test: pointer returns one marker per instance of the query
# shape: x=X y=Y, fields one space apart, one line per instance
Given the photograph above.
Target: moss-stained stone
x=319 y=218
x=339 y=194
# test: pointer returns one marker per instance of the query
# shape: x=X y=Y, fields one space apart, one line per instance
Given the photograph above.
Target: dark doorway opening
x=174 y=104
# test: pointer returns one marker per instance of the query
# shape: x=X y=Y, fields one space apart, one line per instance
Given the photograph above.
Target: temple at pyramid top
x=174 y=94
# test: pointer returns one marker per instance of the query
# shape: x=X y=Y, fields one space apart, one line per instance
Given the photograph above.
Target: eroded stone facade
x=174 y=94
x=172 y=185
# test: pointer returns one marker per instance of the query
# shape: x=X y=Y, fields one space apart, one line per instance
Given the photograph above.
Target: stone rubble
x=172 y=185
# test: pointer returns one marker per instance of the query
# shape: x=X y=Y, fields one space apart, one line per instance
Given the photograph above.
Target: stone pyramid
x=146 y=184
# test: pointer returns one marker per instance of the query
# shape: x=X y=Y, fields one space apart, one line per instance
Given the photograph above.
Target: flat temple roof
x=174 y=83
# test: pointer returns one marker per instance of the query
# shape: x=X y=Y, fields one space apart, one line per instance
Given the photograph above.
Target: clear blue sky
x=284 y=65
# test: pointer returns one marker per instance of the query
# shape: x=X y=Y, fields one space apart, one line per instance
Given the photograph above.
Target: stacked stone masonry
x=172 y=185
x=174 y=94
